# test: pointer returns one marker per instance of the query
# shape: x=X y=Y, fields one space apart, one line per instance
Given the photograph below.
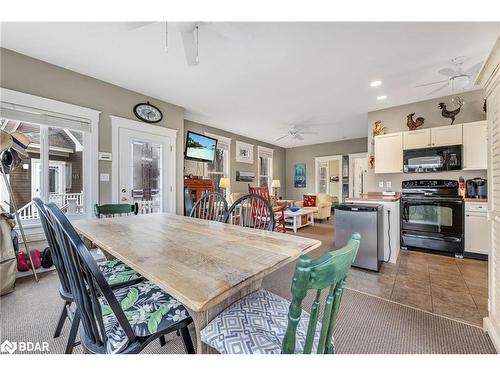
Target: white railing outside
x=29 y=211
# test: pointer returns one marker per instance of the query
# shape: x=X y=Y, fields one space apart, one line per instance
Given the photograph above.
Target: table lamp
x=225 y=183
x=275 y=184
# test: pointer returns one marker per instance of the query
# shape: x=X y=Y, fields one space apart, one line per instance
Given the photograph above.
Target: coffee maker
x=477 y=188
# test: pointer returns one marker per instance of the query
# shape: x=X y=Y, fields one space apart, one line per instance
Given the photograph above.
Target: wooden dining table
x=205 y=265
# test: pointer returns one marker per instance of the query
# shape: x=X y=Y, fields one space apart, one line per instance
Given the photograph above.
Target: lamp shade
x=275 y=184
x=224 y=182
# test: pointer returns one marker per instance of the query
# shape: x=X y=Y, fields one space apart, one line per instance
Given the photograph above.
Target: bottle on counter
x=461 y=186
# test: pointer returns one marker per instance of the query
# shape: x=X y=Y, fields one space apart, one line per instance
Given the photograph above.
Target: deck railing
x=29 y=211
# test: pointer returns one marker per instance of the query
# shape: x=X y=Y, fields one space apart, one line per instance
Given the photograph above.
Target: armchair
x=324 y=204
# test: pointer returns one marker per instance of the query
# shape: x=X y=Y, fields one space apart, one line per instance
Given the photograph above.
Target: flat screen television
x=199 y=147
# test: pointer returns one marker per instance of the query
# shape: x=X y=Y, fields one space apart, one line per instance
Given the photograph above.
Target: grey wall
x=236 y=186
x=306 y=154
x=394 y=119
x=23 y=73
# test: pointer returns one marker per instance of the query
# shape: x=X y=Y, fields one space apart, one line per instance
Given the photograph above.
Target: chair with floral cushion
x=263 y=322
x=116 y=273
x=125 y=320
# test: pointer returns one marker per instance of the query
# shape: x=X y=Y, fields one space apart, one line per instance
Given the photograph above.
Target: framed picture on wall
x=299 y=177
x=244 y=152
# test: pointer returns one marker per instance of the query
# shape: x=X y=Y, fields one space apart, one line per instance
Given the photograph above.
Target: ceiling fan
x=296 y=132
x=457 y=77
x=189 y=32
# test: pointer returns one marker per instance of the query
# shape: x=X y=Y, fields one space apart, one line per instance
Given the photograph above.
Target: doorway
x=143 y=165
x=358 y=164
x=328 y=175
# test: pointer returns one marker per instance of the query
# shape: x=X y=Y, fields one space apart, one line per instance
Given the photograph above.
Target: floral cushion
x=309 y=200
x=148 y=310
x=256 y=324
x=116 y=272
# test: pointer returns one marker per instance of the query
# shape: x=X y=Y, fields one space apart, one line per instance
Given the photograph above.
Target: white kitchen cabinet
x=389 y=153
x=420 y=138
x=475 y=145
x=446 y=135
x=476 y=228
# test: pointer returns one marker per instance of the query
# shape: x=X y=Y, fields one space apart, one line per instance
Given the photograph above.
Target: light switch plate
x=105 y=156
x=104 y=177
x=381 y=184
x=388 y=184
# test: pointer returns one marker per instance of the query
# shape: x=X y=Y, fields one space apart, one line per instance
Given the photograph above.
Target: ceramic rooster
x=414 y=124
x=450 y=114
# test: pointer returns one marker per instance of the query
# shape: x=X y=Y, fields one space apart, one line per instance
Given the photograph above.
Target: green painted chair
x=110 y=210
x=263 y=322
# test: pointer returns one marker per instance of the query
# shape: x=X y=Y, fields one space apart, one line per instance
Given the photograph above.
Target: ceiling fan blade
x=280 y=138
x=299 y=137
x=431 y=83
x=474 y=69
x=438 y=89
x=307 y=132
x=190 y=46
x=447 y=72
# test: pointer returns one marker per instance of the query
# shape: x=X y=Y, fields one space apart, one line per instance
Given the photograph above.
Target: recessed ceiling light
x=382 y=97
x=375 y=83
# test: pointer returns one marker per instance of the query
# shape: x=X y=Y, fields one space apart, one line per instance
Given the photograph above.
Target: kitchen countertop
x=476 y=200
x=375 y=197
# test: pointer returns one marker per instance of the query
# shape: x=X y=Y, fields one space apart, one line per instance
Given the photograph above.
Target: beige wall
x=306 y=154
x=196 y=168
x=22 y=73
x=394 y=119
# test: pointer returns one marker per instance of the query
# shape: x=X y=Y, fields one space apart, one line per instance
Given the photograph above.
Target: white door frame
x=359 y=155
x=322 y=159
x=118 y=123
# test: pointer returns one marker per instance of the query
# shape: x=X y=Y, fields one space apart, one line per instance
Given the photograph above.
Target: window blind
x=36 y=116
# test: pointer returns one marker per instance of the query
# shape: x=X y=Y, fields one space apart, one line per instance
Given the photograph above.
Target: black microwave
x=434 y=159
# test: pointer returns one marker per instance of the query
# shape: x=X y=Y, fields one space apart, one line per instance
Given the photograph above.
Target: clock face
x=148 y=113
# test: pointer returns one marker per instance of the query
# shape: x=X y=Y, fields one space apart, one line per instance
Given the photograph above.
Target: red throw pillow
x=309 y=200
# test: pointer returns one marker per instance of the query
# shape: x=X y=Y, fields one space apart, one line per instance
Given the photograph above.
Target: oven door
x=433 y=215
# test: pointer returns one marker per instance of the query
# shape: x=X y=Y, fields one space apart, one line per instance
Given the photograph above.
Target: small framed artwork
x=299 y=177
x=244 y=152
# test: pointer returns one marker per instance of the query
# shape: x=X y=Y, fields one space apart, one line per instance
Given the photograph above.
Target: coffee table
x=299 y=219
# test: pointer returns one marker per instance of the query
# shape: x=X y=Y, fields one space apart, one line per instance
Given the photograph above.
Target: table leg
x=295 y=219
x=311 y=218
x=202 y=318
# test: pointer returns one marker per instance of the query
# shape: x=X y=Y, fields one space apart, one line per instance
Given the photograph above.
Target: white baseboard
x=493 y=332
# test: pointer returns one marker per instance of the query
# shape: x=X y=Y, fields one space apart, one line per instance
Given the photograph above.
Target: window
x=219 y=168
x=265 y=167
x=53 y=169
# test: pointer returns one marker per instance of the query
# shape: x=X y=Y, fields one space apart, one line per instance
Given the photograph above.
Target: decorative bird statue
x=414 y=124
x=450 y=114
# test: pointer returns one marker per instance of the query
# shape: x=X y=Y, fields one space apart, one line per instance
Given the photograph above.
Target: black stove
x=432 y=216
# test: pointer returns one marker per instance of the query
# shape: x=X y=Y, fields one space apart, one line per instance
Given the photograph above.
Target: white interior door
x=359 y=176
x=144 y=166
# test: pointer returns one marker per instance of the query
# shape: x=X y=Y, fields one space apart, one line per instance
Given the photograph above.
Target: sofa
x=324 y=203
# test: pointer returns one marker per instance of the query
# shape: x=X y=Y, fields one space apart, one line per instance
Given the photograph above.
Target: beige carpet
x=366 y=324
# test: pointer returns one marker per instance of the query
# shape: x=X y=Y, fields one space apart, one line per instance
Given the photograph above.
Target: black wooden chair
x=251 y=211
x=121 y=321
x=211 y=206
x=116 y=273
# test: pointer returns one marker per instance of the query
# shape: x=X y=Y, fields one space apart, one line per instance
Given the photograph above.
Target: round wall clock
x=148 y=112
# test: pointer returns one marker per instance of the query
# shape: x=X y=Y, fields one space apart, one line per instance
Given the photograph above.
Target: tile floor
x=457 y=288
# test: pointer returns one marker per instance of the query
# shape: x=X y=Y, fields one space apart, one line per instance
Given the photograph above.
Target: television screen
x=200 y=147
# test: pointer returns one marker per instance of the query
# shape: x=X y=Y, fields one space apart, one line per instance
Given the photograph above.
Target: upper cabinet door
x=389 y=153
x=475 y=145
x=446 y=135
x=417 y=139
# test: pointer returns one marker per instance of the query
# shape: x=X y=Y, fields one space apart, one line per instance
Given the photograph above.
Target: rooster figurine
x=414 y=124
x=450 y=114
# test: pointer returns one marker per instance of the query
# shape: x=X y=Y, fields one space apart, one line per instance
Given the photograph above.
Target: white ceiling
x=258 y=79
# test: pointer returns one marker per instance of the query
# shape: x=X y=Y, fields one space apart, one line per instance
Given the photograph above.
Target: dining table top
x=198 y=262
